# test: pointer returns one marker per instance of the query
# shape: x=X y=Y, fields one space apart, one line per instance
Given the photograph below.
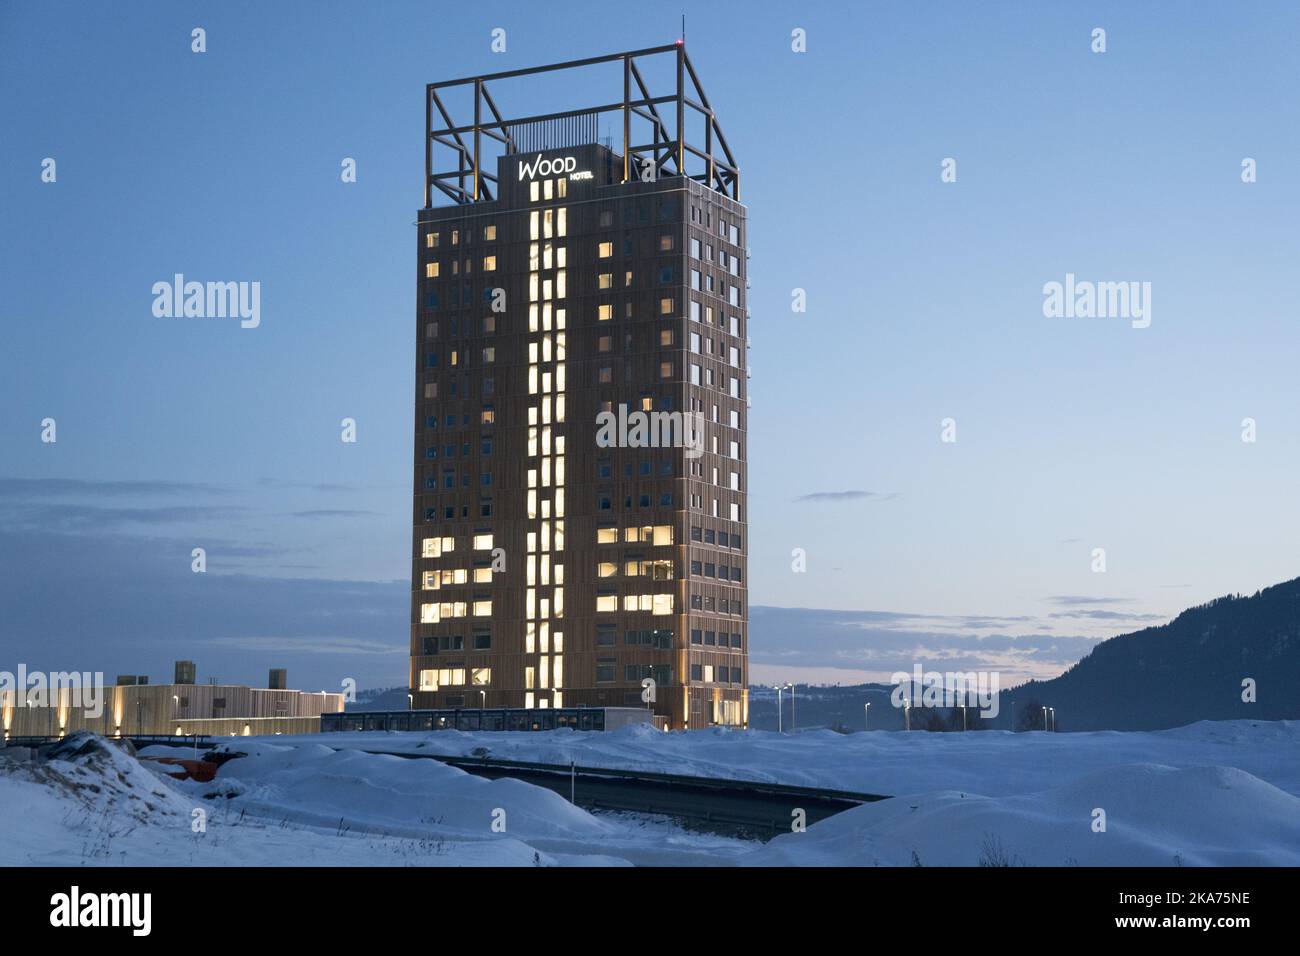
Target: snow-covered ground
x=990 y=762
x=1214 y=793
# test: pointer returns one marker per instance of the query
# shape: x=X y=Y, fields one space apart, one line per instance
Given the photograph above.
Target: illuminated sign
x=553 y=167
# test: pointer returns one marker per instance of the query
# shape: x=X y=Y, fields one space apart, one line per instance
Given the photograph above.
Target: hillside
x=1187 y=670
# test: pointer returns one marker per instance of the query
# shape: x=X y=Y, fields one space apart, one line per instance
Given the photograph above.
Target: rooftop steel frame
x=665 y=155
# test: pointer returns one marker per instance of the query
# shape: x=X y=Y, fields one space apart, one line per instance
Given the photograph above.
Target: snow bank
x=991 y=762
x=1154 y=816
x=377 y=794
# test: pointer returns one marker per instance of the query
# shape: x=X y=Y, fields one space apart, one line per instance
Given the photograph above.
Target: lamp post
x=1044 y=719
x=482 y=699
x=907 y=714
x=866 y=716
x=1052 y=711
x=779 y=688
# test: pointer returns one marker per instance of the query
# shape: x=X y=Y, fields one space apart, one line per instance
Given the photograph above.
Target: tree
x=1031 y=715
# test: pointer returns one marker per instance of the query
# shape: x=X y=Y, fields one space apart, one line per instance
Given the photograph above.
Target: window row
x=656 y=535
x=656 y=569
x=433 y=270
x=436 y=547
x=482 y=641
x=722 y=572
x=449 y=511
x=436 y=678
x=709 y=674
x=715 y=638
x=666 y=499
x=433 y=240
x=707 y=602
x=481 y=606
x=654 y=603
x=722 y=539
x=447 y=577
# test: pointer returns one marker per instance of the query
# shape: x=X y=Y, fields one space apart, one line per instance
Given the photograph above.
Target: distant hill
x=1187 y=670
x=1168 y=676
x=839 y=707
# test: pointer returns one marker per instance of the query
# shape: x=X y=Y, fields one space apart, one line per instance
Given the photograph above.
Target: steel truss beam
x=666 y=153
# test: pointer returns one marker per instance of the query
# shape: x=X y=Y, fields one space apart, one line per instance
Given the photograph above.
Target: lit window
x=431 y=270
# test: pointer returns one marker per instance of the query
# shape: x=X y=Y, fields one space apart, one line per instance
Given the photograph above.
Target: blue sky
x=924 y=303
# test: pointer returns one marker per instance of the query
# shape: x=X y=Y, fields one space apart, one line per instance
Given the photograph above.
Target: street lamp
x=1052 y=710
x=866 y=716
x=1044 y=718
x=482 y=703
x=907 y=714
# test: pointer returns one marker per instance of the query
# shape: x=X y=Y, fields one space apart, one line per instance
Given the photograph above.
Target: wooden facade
x=646 y=265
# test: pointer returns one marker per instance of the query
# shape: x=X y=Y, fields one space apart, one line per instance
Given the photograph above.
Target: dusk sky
x=924 y=303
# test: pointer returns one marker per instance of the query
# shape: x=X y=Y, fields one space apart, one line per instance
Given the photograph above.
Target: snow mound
x=1154 y=816
x=107 y=780
x=353 y=791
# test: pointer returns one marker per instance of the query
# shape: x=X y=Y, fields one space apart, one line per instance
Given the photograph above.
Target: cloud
x=132 y=605
x=309 y=645
x=1076 y=600
x=1109 y=616
x=327 y=486
x=69 y=517
x=334 y=513
x=880 y=643
x=38 y=488
x=848 y=496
